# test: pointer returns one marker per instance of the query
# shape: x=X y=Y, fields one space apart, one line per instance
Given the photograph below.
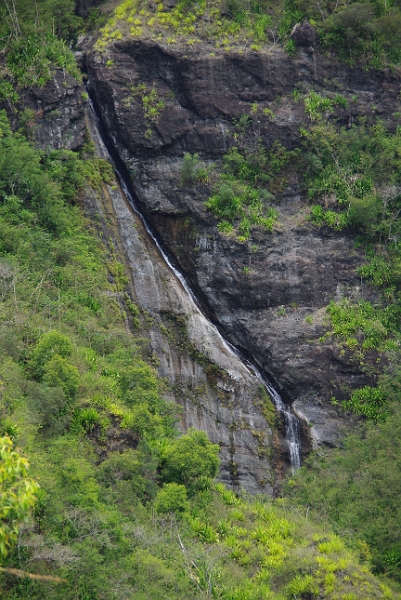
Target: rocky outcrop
x=268 y=293
x=217 y=392
x=303 y=34
x=261 y=291
x=52 y=115
x=83 y=7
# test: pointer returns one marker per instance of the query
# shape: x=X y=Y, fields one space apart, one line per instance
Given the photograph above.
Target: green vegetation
x=33 y=37
x=126 y=507
x=354 y=174
x=239 y=23
x=240 y=195
x=22 y=16
x=316 y=105
x=240 y=192
x=17 y=494
x=152 y=104
x=141 y=519
x=192 y=170
x=358 y=490
x=355 y=171
x=353 y=178
x=367 y=31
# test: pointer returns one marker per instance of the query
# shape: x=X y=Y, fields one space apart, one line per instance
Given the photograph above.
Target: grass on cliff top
x=126 y=508
x=189 y=23
x=365 y=32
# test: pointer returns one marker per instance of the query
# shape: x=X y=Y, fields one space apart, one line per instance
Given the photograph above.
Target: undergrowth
x=247 y=25
x=352 y=175
x=126 y=507
x=357 y=488
x=240 y=190
x=366 y=32
x=34 y=43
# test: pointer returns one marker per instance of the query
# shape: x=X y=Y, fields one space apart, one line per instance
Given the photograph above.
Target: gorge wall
x=216 y=390
x=259 y=291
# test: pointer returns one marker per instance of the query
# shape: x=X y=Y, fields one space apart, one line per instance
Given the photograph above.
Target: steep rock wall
x=217 y=392
x=290 y=274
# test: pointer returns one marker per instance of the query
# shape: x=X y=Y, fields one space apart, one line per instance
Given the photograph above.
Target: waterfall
x=292 y=426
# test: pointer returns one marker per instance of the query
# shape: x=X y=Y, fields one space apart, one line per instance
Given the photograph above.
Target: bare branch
x=35 y=576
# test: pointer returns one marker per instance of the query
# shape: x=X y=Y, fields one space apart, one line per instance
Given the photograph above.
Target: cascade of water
x=292 y=427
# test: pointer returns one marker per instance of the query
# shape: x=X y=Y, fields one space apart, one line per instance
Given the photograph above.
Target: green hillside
x=115 y=503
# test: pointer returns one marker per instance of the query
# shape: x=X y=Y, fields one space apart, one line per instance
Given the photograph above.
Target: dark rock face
x=83 y=7
x=56 y=117
x=290 y=274
x=303 y=34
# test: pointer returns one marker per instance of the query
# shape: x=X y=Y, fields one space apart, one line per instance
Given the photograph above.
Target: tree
x=17 y=494
x=50 y=345
x=172 y=498
x=59 y=373
x=190 y=460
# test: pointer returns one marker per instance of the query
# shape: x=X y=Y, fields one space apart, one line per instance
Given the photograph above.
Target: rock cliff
x=53 y=115
x=261 y=291
x=216 y=390
x=268 y=293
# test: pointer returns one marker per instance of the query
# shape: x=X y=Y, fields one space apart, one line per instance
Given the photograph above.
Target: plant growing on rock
x=241 y=192
x=193 y=170
x=17 y=495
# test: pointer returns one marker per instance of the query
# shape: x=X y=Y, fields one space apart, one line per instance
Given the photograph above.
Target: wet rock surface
x=261 y=291
x=218 y=394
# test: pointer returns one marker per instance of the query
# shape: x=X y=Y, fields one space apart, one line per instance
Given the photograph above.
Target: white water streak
x=292 y=427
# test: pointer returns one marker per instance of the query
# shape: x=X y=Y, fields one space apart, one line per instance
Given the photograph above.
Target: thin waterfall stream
x=291 y=422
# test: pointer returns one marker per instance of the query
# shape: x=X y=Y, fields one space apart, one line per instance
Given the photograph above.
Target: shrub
x=303 y=586
x=188 y=460
x=85 y=418
x=192 y=170
x=369 y=402
x=49 y=404
x=8 y=428
x=49 y=345
x=17 y=494
x=357 y=488
x=59 y=373
x=139 y=376
x=172 y=498
x=124 y=471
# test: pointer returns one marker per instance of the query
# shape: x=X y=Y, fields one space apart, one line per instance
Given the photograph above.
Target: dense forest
x=101 y=496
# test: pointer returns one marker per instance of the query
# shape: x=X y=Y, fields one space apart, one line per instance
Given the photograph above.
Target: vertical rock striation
x=217 y=392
